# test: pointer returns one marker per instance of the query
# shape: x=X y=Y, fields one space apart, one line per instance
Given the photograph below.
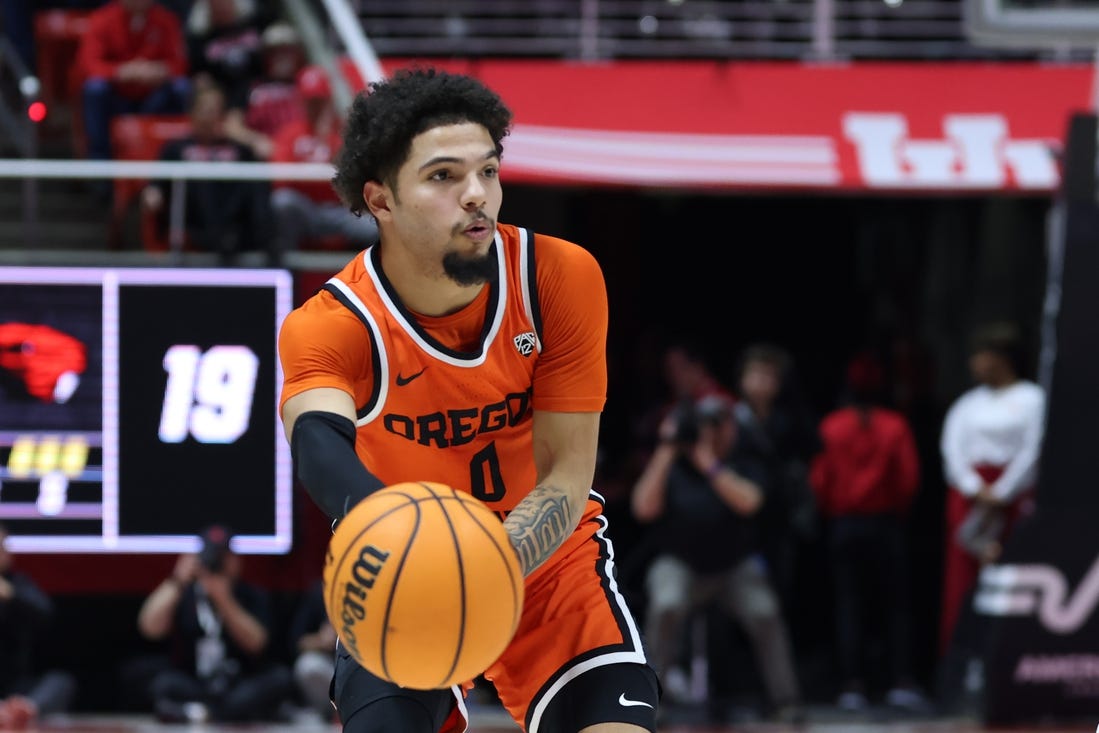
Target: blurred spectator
x=223 y=216
x=991 y=441
x=25 y=613
x=273 y=100
x=313 y=640
x=865 y=478
x=132 y=60
x=310 y=209
x=703 y=495
x=776 y=429
x=220 y=629
x=225 y=46
x=17 y=23
x=687 y=377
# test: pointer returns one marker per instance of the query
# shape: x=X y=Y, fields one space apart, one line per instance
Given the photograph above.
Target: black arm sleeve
x=323 y=448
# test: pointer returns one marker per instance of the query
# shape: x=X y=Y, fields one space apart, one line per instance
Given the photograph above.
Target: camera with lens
x=686 y=424
x=690 y=416
x=215 y=548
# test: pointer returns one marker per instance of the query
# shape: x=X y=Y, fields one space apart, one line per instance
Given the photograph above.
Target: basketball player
x=471 y=353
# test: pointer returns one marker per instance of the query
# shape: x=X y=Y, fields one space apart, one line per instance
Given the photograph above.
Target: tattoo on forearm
x=539 y=525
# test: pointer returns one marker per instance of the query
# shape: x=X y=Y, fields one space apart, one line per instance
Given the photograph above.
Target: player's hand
x=7 y=590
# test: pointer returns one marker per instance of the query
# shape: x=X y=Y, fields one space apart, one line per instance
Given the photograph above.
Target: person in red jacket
x=307 y=209
x=132 y=60
x=864 y=478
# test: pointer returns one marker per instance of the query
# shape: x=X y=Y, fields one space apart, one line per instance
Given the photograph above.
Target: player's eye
x=440 y=175
x=490 y=171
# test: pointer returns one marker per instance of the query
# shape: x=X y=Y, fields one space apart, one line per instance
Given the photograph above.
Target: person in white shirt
x=991 y=441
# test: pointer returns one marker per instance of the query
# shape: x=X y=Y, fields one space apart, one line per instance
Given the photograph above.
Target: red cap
x=313 y=83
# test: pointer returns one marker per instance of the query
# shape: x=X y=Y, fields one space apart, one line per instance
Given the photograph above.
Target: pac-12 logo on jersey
x=524 y=342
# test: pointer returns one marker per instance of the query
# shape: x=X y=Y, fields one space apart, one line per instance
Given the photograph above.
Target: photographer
x=702 y=497
x=218 y=626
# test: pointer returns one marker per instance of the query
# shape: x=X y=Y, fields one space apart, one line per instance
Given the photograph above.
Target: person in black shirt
x=702 y=497
x=777 y=429
x=219 y=627
x=225 y=216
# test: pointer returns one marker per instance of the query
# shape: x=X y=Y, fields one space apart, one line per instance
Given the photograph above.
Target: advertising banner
x=921 y=127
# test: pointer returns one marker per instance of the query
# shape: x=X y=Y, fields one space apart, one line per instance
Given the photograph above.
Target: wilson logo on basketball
x=353 y=608
x=524 y=342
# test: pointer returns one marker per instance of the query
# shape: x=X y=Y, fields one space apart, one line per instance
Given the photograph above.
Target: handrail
x=163 y=170
x=341 y=18
x=319 y=51
x=178 y=172
x=350 y=29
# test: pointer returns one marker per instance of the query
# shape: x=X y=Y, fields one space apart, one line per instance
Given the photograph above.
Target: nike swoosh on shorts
x=627 y=703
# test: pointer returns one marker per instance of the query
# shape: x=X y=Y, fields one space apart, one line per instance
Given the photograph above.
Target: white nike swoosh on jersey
x=626 y=703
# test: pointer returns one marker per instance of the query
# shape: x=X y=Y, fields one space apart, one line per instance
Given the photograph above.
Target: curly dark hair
x=383 y=122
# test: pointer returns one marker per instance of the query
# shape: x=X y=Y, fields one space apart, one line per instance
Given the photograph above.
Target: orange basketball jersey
x=449 y=399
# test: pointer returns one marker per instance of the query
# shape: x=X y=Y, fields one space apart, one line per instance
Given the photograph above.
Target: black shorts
x=353 y=688
x=613 y=693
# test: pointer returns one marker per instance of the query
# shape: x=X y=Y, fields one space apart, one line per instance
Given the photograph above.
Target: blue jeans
x=102 y=103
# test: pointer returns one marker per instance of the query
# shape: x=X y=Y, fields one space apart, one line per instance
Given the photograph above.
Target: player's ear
x=377 y=198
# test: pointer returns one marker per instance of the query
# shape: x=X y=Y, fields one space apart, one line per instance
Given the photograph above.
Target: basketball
x=422 y=585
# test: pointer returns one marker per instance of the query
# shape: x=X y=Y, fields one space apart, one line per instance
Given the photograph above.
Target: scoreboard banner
x=138 y=406
x=864 y=126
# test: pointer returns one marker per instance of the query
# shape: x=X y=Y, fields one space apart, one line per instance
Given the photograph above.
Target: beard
x=471 y=270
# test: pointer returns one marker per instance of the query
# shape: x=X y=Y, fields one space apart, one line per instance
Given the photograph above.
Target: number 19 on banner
x=208 y=394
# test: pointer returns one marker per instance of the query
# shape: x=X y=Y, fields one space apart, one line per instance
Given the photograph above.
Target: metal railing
x=177 y=173
x=837 y=30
